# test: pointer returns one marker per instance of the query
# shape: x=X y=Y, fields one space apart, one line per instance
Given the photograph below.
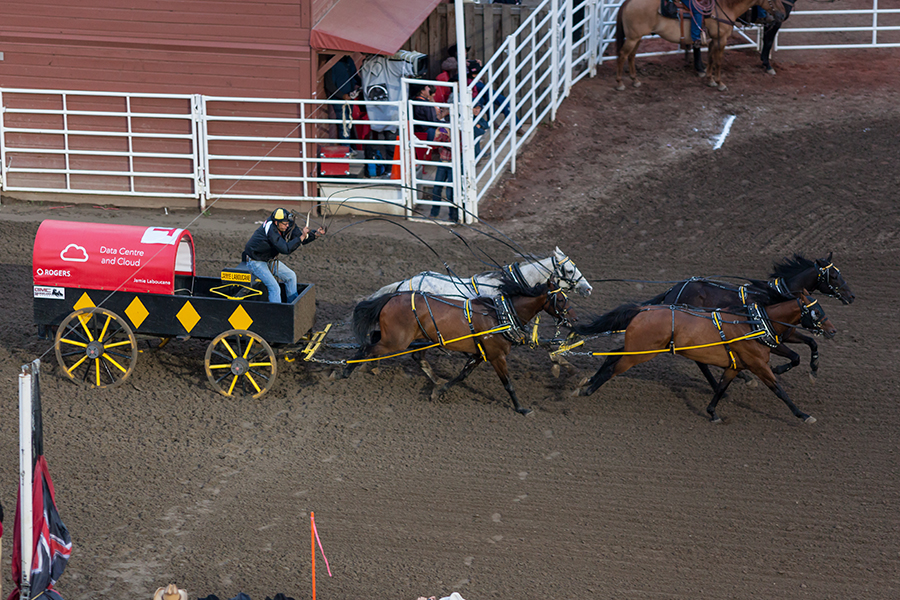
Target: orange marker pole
x=312 y=537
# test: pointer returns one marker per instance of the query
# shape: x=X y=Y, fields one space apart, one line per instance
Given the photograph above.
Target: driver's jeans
x=260 y=269
x=696 y=19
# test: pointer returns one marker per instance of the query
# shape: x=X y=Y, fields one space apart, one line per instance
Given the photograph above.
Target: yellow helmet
x=282 y=214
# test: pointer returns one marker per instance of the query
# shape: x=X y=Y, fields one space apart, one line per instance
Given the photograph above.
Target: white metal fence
x=245 y=149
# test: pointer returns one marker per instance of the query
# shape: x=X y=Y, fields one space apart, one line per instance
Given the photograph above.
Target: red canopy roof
x=370 y=26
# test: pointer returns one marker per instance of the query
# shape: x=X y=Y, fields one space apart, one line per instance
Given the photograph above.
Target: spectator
x=342 y=82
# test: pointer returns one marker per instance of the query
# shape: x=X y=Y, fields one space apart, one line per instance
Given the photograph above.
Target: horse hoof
x=722 y=87
x=554 y=370
x=770 y=71
x=809 y=419
x=715 y=420
x=812 y=377
x=636 y=84
x=525 y=412
x=701 y=74
x=752 y=384
x=620 y=87
x=712 y=83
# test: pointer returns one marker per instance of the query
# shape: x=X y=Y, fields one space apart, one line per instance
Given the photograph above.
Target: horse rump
x=365 y=317
x=615 y=320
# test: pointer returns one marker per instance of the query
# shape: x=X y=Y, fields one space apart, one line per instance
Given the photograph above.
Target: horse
x=637 y=18
x=529 y=274
x=708 y=338
x=788 y=278
x=483 y=327
x=770 y=30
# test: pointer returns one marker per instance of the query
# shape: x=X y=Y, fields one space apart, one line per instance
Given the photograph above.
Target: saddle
x=676 y=9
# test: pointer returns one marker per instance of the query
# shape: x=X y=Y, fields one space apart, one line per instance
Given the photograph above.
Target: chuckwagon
x=104 y=286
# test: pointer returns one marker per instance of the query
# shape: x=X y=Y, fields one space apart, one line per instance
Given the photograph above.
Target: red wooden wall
x=255 y=48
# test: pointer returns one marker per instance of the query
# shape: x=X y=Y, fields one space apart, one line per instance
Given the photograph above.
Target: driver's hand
x=304 y=234
x=320 y=232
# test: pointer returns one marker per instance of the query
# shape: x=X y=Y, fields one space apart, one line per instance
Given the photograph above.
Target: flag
x=52 y=544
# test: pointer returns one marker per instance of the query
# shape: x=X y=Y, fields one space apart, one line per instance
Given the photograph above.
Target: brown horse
x=637 y=18
x=698 y=335
x=484 y=328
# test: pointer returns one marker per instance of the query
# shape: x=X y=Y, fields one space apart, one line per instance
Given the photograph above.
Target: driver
x=277 y=235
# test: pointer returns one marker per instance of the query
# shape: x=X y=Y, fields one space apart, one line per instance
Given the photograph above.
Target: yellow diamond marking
x=187 y=316
x=83 y=302
x=136 y=312
x=239 y=319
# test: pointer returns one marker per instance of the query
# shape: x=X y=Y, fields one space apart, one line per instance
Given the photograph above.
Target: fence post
x=26 y=473
x=2 y=144
x=201 y=150
x=554 y=58
x=514 y=110
x=593 y=38
x=569 y=33
x=468 y=199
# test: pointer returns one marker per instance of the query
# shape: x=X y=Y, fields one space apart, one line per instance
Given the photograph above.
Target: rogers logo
x=74 y=253
x=53 y=273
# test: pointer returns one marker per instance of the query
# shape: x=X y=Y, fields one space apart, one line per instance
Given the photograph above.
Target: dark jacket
x=267 y=242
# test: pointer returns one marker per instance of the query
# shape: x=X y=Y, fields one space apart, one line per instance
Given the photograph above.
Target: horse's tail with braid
x=365 y=316
x=615 y=320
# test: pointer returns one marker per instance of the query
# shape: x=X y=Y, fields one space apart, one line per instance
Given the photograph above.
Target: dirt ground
x=629 y=493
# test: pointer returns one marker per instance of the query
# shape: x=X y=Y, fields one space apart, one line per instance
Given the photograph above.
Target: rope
x=674 y=350
x=434 y=345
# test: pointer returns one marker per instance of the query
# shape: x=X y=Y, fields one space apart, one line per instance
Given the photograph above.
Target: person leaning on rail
x=277 y=235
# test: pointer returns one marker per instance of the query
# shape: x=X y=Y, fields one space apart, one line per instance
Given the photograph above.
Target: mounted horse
x=530 y=274
x=484 y=327
x=638 y=18
x=707 y=337
x=788 y=278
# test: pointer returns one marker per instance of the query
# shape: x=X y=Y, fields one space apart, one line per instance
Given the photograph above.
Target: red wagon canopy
x=110 y=257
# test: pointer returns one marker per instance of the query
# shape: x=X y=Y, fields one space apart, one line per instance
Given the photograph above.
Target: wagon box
x=110 y=257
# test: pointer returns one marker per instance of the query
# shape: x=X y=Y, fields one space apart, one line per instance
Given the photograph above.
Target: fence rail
x=251 y=149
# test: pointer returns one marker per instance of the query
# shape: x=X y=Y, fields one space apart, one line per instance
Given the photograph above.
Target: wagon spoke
x=102 y=335
x=75 y=366
x=231 y=387
x=227 y=347
x=73 y=342
x=253 y=381
x=117 y=344
x=110 y=359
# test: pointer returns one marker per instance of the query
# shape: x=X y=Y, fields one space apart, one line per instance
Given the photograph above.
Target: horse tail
x=615 y=320
x=620 y=29
x=365 y=316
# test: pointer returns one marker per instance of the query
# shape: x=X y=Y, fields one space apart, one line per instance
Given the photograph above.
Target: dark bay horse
x=788 y=278
x=484 y=328
x=770 y=30
x=638 y=18
x=699 y=336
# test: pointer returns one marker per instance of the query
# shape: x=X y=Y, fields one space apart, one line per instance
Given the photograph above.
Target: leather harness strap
x=717 y=319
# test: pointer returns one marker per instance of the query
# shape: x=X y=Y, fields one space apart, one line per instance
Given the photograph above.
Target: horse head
x=813 y=318
x=557 y=304
x=568 y=275
x=831 y=282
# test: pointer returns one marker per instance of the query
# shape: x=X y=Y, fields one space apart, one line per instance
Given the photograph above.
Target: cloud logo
x=74 y=253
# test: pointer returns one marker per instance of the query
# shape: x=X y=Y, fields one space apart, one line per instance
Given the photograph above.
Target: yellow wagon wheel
x=240 y=363
x=96 y=347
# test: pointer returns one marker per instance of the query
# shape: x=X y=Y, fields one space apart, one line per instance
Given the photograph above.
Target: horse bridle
x=808 y=319
x=553 y=301
x=825 y=275
x=561 y=274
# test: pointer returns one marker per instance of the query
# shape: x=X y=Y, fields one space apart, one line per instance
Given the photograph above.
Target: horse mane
x=512 y=287
x=790 y=267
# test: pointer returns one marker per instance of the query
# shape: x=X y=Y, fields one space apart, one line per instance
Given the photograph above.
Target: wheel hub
x=95 y=350
x=239 y=366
